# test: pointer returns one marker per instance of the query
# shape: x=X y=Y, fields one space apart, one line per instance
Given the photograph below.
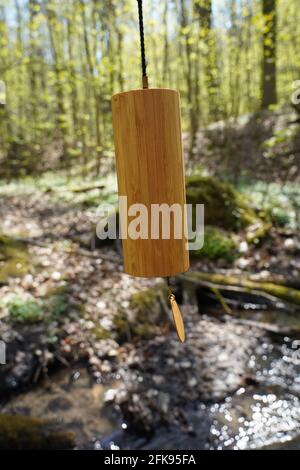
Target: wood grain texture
x=150 y=170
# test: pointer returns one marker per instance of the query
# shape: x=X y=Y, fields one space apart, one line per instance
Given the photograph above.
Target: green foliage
x=56 y=305
x=280 y=201
x=47 y=309
x=218 y=244
x=62 y=188
x=61 y=64
x=280 y=139
x=25 y=311
x=280 y=217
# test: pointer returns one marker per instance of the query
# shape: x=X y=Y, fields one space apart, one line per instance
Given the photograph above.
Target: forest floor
x=75 y=357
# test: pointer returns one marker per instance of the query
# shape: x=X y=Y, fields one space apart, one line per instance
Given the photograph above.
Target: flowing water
x=263 y=414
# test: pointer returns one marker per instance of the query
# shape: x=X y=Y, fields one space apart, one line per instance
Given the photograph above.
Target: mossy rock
x=25 y=433
x=144 y=300
x=142 y=316
x=218 y=244
x=14 y=260
x=224 y=206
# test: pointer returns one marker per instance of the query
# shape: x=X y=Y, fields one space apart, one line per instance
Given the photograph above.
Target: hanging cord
x=142 y=40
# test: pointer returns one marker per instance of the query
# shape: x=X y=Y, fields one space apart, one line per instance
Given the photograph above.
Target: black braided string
x=141 y=23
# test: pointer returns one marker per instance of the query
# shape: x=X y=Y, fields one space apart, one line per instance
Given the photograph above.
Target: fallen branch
x=271 y=292
x=85 y=189
x=221 y=299
x=280 y=330
x=230 y=288
x=79 y=189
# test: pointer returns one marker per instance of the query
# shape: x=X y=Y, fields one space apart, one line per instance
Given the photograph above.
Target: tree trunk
x=95 y=90
x=72 y=72
x=269 y=94
x=32 y=66
x=204 y=11
x=189 y=77
x=166 y=70
x=61 y=113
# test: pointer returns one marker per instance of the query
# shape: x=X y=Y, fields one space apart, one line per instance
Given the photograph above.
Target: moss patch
x=144 y=300
x=55 y=305
x=101 y=333
x=24 y=433
x=14 y=260
x=218 y=244
x=142 y=316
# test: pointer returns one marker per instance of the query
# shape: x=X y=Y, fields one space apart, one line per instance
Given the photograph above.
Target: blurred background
x=89 y=355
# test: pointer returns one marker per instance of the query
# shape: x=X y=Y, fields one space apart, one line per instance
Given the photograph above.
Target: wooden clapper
x=150 y=171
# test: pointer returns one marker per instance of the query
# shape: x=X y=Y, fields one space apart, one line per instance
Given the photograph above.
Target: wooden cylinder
x=150 y=170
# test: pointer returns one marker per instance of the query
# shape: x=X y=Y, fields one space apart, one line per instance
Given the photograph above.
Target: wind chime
x=150 y=170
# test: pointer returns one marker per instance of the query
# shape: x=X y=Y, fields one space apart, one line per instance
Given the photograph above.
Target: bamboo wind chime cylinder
x=150 y=170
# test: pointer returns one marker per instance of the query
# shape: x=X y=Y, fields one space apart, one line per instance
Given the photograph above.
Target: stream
x=264 y=413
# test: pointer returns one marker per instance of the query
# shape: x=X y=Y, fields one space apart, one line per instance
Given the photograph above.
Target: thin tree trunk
x=269 y=93
x=32 y=66
x=74 y=96
x=120 y=55
x=20 y=42
x=96 y=94
x=166 y=70
x=204 y=10
x=189 y=78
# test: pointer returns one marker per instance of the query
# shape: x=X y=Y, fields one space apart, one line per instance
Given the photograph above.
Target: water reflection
x=270 y=413
x=264 y=414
